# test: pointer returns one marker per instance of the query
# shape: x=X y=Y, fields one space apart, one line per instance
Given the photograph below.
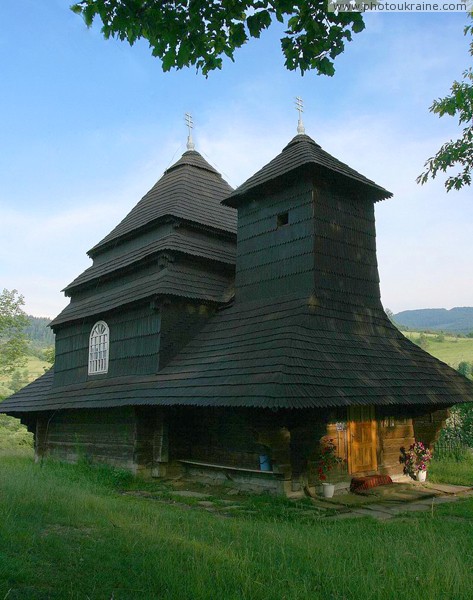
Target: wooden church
x=225 y=333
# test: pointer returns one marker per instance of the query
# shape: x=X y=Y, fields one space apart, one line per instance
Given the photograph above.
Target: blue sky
x=87 y=126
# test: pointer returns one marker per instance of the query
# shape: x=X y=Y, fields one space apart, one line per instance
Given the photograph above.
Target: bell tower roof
x=303 y=152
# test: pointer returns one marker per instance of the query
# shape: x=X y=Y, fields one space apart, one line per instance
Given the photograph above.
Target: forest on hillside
x=455 y=320
x=38 y=331
x=39 y=358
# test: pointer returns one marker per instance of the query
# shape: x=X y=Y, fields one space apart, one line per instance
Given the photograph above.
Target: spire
x=300 y=109
x=190 y=126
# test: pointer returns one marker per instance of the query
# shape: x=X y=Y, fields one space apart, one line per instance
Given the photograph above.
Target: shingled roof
x=190 y=189
x=286 y=354
x=217 y=250
x=302 y=151
x=183 y=280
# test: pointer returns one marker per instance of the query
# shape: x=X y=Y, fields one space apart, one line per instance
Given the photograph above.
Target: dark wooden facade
x=219 y=444
x=236 y=360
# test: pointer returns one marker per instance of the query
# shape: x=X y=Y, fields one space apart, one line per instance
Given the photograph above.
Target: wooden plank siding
x=427 y=426
x=344 y=254
x=134 y=346
x=274 y=260
x=154 y=441
x=104 y=436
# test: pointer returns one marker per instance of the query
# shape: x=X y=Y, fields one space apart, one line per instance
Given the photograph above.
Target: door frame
x=351 y=420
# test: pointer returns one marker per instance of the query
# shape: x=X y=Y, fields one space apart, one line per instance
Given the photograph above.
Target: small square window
x=282 y=219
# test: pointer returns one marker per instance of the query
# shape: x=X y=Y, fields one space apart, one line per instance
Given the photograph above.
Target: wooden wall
x=397 y=427
x=231 y=437
x=99 y=435
x=328 y=245
x=427 y=426
x=134 y=345
x=152 y=440
x=274 y=260
x=142 y=340
x=395 y=431
x=345 y=264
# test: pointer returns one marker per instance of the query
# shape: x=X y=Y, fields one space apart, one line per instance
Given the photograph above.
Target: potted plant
x=416 y=461
x=326 y=462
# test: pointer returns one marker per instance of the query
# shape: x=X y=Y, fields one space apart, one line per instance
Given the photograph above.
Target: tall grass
x=456 y=468
x=65 y=533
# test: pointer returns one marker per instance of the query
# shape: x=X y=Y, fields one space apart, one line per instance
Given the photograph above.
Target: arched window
x=98 y=348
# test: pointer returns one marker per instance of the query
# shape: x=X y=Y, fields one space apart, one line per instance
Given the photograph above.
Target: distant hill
x=455 y=320
x=39 y=332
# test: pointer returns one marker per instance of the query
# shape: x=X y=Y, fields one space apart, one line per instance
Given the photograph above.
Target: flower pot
x=328 y=490
x=421 y=475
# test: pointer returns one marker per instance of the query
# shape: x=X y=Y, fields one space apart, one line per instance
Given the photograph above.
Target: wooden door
x=361 y=439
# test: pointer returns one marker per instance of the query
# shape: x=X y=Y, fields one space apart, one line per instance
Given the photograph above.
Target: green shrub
x=13 y=434
x=459 y=426
x=465 y=368
x=422 y=341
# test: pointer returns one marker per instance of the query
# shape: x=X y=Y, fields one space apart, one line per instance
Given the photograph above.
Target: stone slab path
x=392 y=505
x=381 y=503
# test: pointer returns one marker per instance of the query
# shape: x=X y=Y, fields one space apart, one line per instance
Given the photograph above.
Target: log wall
x=99 y=435
x=231 y=437
x=163 y=441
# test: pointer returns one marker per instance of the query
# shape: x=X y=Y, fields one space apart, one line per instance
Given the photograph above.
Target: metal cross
x=190 y=126
x=300 y=109
x=189 y=122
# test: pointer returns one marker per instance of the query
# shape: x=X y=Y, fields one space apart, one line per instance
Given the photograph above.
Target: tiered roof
x=203 y=233
x=191 y=190
x=194 y=282
x=210 y=248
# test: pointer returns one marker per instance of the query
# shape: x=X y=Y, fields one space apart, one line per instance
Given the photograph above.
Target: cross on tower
x=300 y=109
x=190 y=126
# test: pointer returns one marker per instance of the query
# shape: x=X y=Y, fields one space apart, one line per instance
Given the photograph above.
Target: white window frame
x=99 y=346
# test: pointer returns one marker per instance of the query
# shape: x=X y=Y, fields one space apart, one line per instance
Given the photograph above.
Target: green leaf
x=198 y=32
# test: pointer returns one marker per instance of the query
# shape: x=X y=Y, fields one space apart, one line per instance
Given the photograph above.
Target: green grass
x=458 y=472
x=452 y=350
x=36 y=366
x=66 y=532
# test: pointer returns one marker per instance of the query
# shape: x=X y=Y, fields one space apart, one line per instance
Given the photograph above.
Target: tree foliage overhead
x=13 y=320
x=455 y=153
x=200 y=32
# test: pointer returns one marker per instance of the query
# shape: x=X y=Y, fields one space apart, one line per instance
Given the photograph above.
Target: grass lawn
x=452 y=471
x=35 y=367
x=452 y=350
x=67 y=532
